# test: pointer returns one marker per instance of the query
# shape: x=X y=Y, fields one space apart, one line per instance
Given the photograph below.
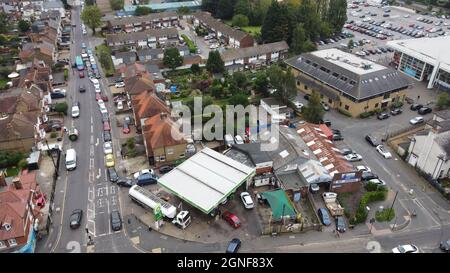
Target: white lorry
x=330 y=199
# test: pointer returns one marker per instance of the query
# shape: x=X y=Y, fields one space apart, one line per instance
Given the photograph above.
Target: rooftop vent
x=366 y=66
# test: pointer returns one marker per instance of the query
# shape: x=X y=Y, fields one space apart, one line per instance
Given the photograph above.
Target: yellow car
x=109 y=160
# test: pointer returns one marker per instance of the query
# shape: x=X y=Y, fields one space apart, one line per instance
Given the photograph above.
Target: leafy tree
x=10 y=158
x=215 y=63
x=337 y=14
x=195 y=68
x=89 y=2
x=308 y=16
x=313 y=112
x=183 y=10
x=4 y=23
x=325 y=29
x=216 y=91
x=209 y=5
x=408 y=2
x=278 y=24
x=225 y=8
x=172 y=58
x=301 y=43
x=240 y=20
x=261 y=82
x=91 y=16
x=283 y=82
x=257 y=15
x=61 y=107
x=351 y=44
x=142 y=10
x=242 y=7
x=442 y=100
x=116 y=4
x=24 y=26
x=238 y=99
x=240 y=79
x=105 y=60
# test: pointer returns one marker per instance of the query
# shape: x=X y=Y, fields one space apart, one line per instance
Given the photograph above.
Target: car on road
x=126 y=182
x=109 y=160
x=106 y=126
x=81 y=74
x=377 y=181
x=363 y=168
x=112 y=175
x=103 y=109
x=406 y=249
x=116 y=220
x=119 y=84
x=396 y=111
x=165 y=169
x=415 y=106
x=425 y=110
x=416 y=120
x=107 y=147
x=231 y=219
x=75 y=110
x=385 y=153
x=106 y=136
x=445 y=246
x=372 y=140
x=324 y=216
x=247 y=200
x=353 y=157
x=82 y=88
x=233 y=246
x=144 y=171
x=340 y=224
x=382 y=116
x=75 y=218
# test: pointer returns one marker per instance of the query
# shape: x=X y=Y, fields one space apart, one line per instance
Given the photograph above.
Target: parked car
x=416 y=106
x=105 y=117
x=445 y=246
x=247 y=200
x=120 y=85
x=116 y=220
x=368 y=175
x=233 y=246
x=112 y=175
x=109 y=160
x=346 y=151
x=377 y=181
x=238 y=139
x=126 y=182
x=406 y=249
x=75 y=218
x=261 y=199
x=165 y=169
x=425 y=110
x=56 y=95
x=313 y=188
x=340 y=224
x=75 y=110
x=144 y=171
x=53 y=124
x=120 y=105
x=107 y=147
x=146 y=179
x=396 y=111
x=363 y=168
x=126 y=128
x=324 y=216
x=372 y=140
x=106 y=136
x=382 y=150
x=232 y=219
x=416 y=120
x=106 y=126
x=382 y=116
x=337 y=137
x=353 y=157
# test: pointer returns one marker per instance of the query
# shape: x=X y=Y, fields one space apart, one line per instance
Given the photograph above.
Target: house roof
x=141 y=36
x=159 y=131
x=132 y=70
x=9 y=100
x=207 y=19
x=142 y=19
x=138 y=84
x=443 y=140
x=239 y=53
x=18 y=125
x=356 y=77
x=148 y=105
x=444 y=114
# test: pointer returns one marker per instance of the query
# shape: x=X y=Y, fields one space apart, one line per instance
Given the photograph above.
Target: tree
x=172 y=58
x=242 y=7
x=195 y=68
x=215 y=63
x=239 y=99
x=240 y=20
x=442 y=100
x=283 y=82
x=307 y=15
x=261 y=82
x=142 y=10
x=240 y=79
x=183 y=10
x=278 y=24
x=337 y=14
x=209 y=5
x=313 y=112
x=89 y=2
x=216 y=91
x=225 y=8
x=91 y=16
x=116 y=4
x=61 y=107
x=4 y=23
x=351 y=44
x=301 y=43
x=23 y=25
x=105 y=60
x=408 y=2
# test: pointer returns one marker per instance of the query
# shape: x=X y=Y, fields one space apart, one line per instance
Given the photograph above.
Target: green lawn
x=12 y=171
x=3 y=83
x=190 y=44
x=103 y=48
x=252 y=29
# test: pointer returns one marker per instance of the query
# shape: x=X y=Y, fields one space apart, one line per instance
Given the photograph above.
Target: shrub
x=344 y=112
x=53 y=135
x=365 y=115
x=371 y=186
x=386 y=214
x=66 y=74
x=23 y=164
x=190 y=44
x=61 y=107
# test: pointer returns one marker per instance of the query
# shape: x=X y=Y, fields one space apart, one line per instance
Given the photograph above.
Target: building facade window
x=12 y=242
x=162 y=158
x=376 y=105
x=330 y=101
x=181 y=155
x=386 y=96
x=340 y=103
x=2 y=244
x=298 y=82
x=347 y=107
x=306 y=87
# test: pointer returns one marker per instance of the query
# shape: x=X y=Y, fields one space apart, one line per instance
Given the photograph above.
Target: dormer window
x=7 y=226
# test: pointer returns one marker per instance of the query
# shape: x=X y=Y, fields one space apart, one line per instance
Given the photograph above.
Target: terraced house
x=348 y=83
x=150 y=38
x=140 y=23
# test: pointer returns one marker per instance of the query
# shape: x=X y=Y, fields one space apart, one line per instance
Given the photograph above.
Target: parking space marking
x=91 y=163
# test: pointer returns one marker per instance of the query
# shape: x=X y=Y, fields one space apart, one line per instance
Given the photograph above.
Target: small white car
x=120 y=85
x=75 y=111
x=406 y=249
x=238 y=139
x=103 y=109
x=59 y=90
x=107 y=148
x=353 y=157
x=98 y=90
x=247 y=200
x=144 y=171
x=101 y=103
x=378 y=181
x=363 y=168
x=119 y=105
x=416 y=120
x=382 y=150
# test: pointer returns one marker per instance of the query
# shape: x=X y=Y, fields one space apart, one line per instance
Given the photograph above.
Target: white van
x=71 y=159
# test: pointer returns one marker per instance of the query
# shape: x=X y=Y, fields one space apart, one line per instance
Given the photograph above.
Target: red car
x=81 y=74
x=232 y=219
x=106 y=126
x=126 y=128
x=104 y=98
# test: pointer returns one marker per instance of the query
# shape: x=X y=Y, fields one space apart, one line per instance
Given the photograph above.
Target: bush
x=385 y=215
x=61 y=108
x=9 y=158
x=344 y=112
x=23 y=164
x=368 y=197
x=397 y=104
x=365 y=115
x=190 y=44
x=66 y=74
x=53 y=135
x=371 y=186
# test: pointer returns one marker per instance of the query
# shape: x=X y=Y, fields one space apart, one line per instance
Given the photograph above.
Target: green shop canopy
x=279 y=202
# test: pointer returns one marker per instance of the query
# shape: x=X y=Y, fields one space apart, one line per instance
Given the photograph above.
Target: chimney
x=2 y=179
x=17 y=183
x=163 y=115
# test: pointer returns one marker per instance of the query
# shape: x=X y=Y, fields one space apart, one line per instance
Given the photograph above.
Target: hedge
x=365 y=114
x=368 y=197
x=345 y=113
x=190 y=44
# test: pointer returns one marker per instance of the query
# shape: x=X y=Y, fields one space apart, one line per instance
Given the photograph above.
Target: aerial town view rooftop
x=224 y=126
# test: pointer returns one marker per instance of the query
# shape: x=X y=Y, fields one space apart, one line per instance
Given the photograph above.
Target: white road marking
x=74 y=246
x=92 y=128
x=99 y=173
x=92 y=139
x=96 y=143
x=92 y=120
x=91 y=163
x=106 y=175
x=91 y=150
x=62 y=216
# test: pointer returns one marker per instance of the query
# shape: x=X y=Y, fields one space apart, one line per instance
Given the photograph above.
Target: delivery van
x=71 y=159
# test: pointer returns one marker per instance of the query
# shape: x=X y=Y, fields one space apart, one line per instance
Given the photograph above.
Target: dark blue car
x=146 y=179
x=233 y=246
x=324 y=217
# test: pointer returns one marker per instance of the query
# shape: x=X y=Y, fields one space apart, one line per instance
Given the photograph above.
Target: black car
x=425 y=110
x=307 y=96
x=75 y=218
x=233 y=246
x=368 y=175
x=82 y=88
x=416 y=106
x=396 y=111
x=337 y=137
x=346 y=151
x=340 y=224
x=326 y=122
x=57 y=95
x=336 y=131
x=112 y=175
x=445 y=246
x=382 y=116
x=106 y=136
x=116 y=220
x=372 y=140
x=126 y=182
x=165 y=169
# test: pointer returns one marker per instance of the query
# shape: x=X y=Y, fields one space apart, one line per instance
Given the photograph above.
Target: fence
x=412 y=128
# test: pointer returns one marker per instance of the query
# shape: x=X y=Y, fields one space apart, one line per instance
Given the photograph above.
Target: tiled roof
x=17 y=126
x=239 y=53
x=141 y=36
x=142 y=19
x=158 y=133
x=147 y=105
x=207 y=19
x=138 y=84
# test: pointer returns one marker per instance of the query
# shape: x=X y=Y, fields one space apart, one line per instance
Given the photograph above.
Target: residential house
x=32 y=9
x=138 y=68
x=164 y=143
x=151 y=38
x=139 y=84
x=146 y=105
x=139 y=23
x=429 y=150
x=54 y=5
x=36 y=73
x=157 y=54
x=255 y=56
x=19 y=100
x=348 y=83
x=228 y=35
x=44 y=51
x=17 y=132
x=20 y=204
x=125 y=58
x=10 y=7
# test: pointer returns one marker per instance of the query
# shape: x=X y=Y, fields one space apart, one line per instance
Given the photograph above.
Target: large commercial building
x=347 y=82
x=424 y=59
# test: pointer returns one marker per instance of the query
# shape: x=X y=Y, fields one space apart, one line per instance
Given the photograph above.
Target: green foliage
x=61 y=107
x=408 y=2
x=344 y=112
x=172 y=58
x=300 y=42
x=225 y=8
x=104 y=57
x=283 y=82
x=386 y=214
x=116 y=4
x=66 y=74
x=142 y=10
x=195 y=68
x=368 y=197
x=239 y=99
x=443 y=100
x=215 y=63
x=10 y=159
x=370 y=186
x=261 y=82
x=240 y=20
x=189 y=43
x=216 y=91
x=91 y=16
x=313 y=112
x=351 y=44
x=4 y=23
x=240 y=79
x=242 y=7
x=200 y=31
x=183 y=10
x=278 y=24
x=131 y=143
x=365 y=114
x=53 y=134
x=23 y=26
x=337 y=14
x=307 y=14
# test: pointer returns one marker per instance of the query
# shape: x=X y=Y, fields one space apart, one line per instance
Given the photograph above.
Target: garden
x=13 y=162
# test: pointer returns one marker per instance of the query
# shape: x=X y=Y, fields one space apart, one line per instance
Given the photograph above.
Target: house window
x=386 y=96
x=347 y=107
x=162 y=158
x=12 y=242
x=376 y=105
x=2 y=244
x=306 y=87
x=298 y=82
x=169 y=151
x=330 y=101
x=321 y=96
x=181 y=155
x=340 y=104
